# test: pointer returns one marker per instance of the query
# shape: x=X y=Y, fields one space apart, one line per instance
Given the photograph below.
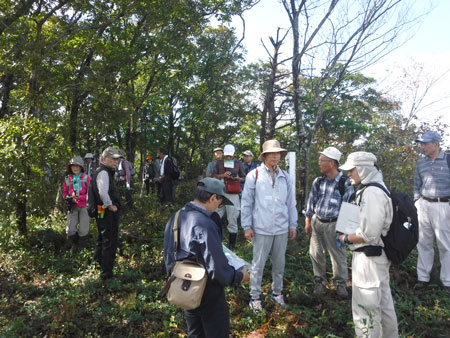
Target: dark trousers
x=212 y=317
x=106 y=247
x=124 y=192
x=166 y=193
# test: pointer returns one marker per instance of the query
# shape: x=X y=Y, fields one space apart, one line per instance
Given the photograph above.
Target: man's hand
x=112 y=208
x=308 y=228
x=249 y=234
x=246 y=275
x=292 y=234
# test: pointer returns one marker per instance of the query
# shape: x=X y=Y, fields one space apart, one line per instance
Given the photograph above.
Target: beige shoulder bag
x=187 y=281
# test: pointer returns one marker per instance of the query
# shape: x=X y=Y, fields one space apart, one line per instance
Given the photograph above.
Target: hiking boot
x=420 y=285
x=255 y=305
x=341 y=290
x=319 y=287
x=279 y=299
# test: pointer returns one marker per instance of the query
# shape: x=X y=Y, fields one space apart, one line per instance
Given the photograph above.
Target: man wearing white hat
x=232 y=173
x=372 y=304
x=269 y=217
x=324 y=202
x=432 y=195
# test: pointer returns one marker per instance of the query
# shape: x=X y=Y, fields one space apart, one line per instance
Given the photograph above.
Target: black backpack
x=175 y=175
x=403 y=234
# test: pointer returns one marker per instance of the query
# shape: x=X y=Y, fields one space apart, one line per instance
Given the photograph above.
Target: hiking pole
x=142 y=188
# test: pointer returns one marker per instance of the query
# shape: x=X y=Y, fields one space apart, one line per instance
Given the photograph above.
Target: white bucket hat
x=272 y=146
x=228 y=150
x=359 y=159
x=333 y=153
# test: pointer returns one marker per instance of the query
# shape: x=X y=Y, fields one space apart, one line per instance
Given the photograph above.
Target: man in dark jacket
x=201 y=240
x=165 y=177
x=108 y=202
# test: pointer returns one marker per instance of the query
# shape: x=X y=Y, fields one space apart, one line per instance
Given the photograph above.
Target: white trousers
x=232 y=212
x=434 y=223
x=79 y=216
x=262 y=246
x=372 y=305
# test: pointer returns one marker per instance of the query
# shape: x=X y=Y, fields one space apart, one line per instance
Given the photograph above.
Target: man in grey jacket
x=269 y=216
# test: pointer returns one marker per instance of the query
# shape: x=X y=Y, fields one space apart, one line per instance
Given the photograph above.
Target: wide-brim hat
x=214 y=186
x=77 y=160
x=272 y=146
x=359 y=159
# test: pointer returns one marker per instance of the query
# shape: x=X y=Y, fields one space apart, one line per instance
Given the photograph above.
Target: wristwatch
x=346 y=241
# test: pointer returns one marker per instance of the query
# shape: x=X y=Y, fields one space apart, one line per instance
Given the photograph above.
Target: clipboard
x=348 y=219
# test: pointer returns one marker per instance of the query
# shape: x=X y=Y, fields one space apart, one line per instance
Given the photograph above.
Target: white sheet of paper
x=228 y=163
x=348 y=219
x=234 y=260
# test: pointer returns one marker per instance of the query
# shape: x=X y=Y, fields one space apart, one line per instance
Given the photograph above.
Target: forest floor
x=46 y=291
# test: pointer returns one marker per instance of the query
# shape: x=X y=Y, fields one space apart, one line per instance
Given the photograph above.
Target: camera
x=70 y=203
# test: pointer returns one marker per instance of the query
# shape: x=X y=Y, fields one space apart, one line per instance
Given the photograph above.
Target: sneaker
x=319 y=287
x=420 y=285
x=341 y=290
x=255 y=305
x=279 y=299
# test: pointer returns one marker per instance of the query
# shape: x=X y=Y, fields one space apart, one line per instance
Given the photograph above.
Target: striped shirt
x=326 y=201
x=432 y=178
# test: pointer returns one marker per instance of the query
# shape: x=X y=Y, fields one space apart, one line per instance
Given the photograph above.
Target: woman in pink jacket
x=75 y=190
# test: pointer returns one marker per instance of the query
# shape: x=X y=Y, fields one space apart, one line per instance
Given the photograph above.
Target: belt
x=439 y=199
x=326 y=220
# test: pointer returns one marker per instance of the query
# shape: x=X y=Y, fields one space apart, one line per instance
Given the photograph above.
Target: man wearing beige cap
x=269 y=217
x=107 y=202
x=324 y=202
x=372 y=304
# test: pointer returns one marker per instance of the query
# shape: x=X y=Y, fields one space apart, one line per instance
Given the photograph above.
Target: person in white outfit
x=372 y=304
x=268 y=216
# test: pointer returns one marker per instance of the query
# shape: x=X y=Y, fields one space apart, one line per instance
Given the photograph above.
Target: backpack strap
x=448 y=160
x=256 y=177
x=341 y=183
x=176 y=235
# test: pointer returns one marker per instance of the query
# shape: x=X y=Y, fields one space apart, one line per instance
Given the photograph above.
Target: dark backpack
x=175 y=175
x=92 y=198
x=403 y=234
x=341 y=183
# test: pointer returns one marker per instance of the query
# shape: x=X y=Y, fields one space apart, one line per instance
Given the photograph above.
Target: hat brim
x=331 y=158
x=347 y=166
x=225 y=201
x=424 y=140
x=273 y=150
x=68 y=169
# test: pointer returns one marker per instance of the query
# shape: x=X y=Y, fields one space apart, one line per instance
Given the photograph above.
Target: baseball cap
x=359 y=159
x=228 y=150
x=333 y=153
x=88 y=155
x=248 y=153
x=111 y=152
x=429 y=136
x=214 y=186
x=217 y=149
